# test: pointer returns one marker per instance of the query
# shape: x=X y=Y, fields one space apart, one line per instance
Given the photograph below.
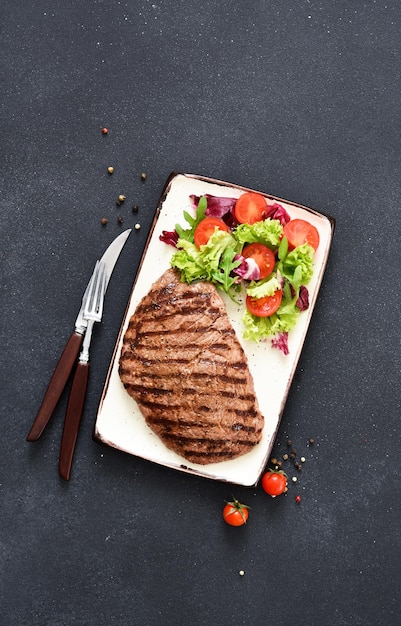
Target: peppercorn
x=104 y=131
x=137 y=226
x=285 y=457
x=121 y=198
x=311 y=441
x=120 y=219
x=289 y=443
x=110 y=170
x=135 y=208
x=104 y=221
x=303 y=459
x=144 y=176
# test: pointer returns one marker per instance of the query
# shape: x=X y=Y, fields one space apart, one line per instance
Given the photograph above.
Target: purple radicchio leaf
x=218 y=207
x=303 y=299
x=280 y=341
x=277 y=212
x=248 y=269
x=170 y=237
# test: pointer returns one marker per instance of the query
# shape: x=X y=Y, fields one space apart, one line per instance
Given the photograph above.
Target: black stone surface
x=300 y=100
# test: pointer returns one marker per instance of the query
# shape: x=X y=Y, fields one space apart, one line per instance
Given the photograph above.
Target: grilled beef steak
x=183 y=364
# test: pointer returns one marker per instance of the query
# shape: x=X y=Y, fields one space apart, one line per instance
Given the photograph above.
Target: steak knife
x=69 y=356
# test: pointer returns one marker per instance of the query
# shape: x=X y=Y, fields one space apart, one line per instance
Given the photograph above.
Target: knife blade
x=70 y=353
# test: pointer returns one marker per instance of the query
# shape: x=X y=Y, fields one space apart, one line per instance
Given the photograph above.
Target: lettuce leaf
x=263 y=288
x=214 y=261
x=268 y=232
x=257 y=328
x=297 y=265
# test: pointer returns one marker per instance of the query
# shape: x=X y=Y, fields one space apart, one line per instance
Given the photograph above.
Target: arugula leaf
x=214 y=261
x=223 y=275
x=188 y=234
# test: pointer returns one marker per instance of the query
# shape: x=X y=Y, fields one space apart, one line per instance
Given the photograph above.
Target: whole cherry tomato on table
x=235 y=513
x=274 y=483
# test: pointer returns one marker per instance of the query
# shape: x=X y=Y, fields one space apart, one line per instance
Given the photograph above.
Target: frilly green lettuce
x=268 y=232
x=297 y=265
x=214 y=261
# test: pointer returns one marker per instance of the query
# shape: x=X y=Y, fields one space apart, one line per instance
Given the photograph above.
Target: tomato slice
x=263 y=256
x=266 y=306
x=206 y=228
x=299 y=232
x=250 y=208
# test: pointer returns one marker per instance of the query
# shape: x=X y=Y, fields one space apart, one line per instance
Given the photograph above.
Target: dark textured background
x=300 y=100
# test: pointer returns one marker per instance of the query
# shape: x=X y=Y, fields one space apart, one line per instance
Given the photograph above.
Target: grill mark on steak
x=183 y=364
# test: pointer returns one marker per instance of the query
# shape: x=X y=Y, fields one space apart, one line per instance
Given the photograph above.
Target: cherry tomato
x=266 y=306
x=299 y=232
x=263 y=256
x=206 y=228
x=235 y=513
x=250 y=208
x=274 y=483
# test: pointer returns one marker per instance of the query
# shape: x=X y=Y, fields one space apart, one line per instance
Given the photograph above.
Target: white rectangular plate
x=120 y=423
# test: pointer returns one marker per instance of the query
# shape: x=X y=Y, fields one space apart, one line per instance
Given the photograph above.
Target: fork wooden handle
x=56 y=385
x=73 y=417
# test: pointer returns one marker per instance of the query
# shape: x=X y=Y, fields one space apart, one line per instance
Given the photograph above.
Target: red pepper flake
x=104 y=131
x=297 y=499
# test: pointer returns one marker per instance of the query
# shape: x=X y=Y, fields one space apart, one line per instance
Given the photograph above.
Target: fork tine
x=94 y=305
x=100 y=291
x=88 y=296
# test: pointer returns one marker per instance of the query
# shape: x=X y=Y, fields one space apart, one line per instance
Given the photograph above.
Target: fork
x=92 y=313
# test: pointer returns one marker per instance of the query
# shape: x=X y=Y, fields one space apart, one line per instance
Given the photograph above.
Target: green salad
x=252 y=251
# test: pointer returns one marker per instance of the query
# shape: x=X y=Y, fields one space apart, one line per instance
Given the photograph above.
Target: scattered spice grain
x=104 y=221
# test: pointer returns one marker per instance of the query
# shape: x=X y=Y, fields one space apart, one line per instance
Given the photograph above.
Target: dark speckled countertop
x=301 y=101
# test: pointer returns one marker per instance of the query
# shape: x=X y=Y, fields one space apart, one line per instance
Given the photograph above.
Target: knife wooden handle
x=73 y=416
x=56 y=385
